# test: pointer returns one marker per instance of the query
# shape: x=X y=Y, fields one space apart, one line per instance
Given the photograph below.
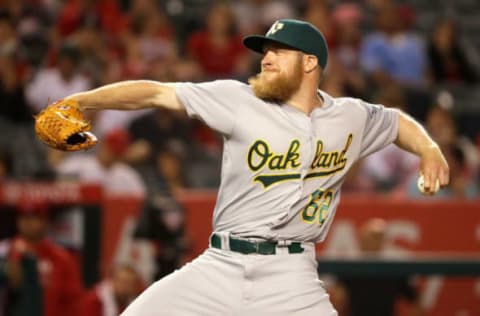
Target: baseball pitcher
x=287 y=149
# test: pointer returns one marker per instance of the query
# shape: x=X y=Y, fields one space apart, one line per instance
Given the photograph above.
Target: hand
x=19 y=249
x=433 y=167
x=13 y=266
x=20 y=246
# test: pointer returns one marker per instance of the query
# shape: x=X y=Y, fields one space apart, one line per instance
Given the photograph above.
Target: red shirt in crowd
x=73 y=12
x=213 y=59
x=59 y=276
x=100 y=301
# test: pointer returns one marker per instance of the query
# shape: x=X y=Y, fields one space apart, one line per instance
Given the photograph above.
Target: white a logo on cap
x=277 y=26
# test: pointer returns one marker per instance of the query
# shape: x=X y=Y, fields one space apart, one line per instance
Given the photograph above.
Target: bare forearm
x=129 y=95
x=412 y=136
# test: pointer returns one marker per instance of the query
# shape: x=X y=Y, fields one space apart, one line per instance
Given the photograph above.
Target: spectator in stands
x=106 y=12
x=150 y=38
x=347 y=19
x=163 y=223
x=377 y=5
x=113 y=294
x=32 y=17
x=478 y=153
x=184 y=167
x=5 y=166
x=255 y=16
x=59 y=81
x=157 y=129
x=441 y=124
x=218 y=47
x=8 y=34
x=184 y=68
x=393 y=53
x=319 y=14
x=105 y=167
x=14 y=107
x=357 y=182
x=96 y=54
x=58 y=273
x=345 y=61
x=170 y=164
x=448 y=57
x=148 y=46
x=368 y=296
x=165 y=173
x=154 y=34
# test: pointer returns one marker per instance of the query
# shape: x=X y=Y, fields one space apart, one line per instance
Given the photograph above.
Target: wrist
x=79 y=100
x=428 y=148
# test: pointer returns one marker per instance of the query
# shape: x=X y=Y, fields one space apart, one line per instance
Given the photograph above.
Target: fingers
x=432 y=182
x=435 y=170
x=426 y=181
x=443 y=178
x=427 y=187
x=435 y=178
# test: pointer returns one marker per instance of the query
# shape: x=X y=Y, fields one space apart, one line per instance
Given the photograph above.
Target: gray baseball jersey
x=282 y=169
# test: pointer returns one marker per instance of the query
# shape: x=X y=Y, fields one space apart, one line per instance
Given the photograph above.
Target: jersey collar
x=327 y=99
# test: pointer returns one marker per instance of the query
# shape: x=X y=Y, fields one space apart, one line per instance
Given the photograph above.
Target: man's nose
x=267 y=58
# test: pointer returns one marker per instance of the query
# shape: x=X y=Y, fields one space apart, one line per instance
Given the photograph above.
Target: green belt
x=260 y=247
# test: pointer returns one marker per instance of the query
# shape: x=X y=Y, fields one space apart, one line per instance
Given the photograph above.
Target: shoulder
x=347 y=101
x=358 y=108
x=349 y=104
x=355 y=104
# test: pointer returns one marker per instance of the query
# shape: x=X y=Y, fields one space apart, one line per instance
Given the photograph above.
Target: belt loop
x=284 y=243
x=282 y=246
x=225 y=239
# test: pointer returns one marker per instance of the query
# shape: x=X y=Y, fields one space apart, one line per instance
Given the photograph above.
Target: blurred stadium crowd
x=402 y=54
x=410 y=54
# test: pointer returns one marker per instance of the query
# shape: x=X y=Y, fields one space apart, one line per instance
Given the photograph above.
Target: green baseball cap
x=296 y=34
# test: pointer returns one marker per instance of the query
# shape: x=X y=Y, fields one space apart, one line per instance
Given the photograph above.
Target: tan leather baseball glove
x=62 y=125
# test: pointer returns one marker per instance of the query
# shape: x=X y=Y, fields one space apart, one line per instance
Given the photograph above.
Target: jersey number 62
x=316 y=210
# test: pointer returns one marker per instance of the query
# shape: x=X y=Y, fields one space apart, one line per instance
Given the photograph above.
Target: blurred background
x=88 y=231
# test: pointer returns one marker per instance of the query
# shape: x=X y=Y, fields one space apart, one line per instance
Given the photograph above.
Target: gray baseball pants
x=225 y=283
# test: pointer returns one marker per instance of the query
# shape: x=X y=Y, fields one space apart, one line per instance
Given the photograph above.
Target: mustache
x=270 y=70
x=277 y=88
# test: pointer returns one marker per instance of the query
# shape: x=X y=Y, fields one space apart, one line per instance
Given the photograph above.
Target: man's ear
x=310 y=63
